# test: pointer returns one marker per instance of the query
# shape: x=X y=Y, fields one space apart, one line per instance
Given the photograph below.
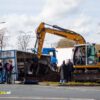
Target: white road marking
x=44 y=98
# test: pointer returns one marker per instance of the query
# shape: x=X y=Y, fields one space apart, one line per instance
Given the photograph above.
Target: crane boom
x=56 y=30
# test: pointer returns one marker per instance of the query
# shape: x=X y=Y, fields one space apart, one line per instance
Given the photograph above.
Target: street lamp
x=2 y=22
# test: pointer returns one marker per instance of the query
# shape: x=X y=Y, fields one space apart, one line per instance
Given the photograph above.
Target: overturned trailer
x=26 y=66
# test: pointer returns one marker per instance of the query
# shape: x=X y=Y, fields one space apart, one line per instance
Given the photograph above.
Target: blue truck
x=48 y=57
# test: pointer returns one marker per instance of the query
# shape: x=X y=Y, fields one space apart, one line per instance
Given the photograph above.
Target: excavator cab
x=85 y=54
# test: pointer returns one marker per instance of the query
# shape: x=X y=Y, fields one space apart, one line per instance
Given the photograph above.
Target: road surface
x=37 y=92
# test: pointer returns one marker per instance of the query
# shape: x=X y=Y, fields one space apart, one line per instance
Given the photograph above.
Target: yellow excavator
x=85 y=57
x=56 y=30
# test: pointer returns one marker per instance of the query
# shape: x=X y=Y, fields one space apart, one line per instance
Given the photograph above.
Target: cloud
x=51 y=10
x=81 y=24
x=64 y=13
x=57 y=9
x=19 y=22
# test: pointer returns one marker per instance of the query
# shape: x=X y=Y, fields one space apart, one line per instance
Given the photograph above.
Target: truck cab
x=52 y=53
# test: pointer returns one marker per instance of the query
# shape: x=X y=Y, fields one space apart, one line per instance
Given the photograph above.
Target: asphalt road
x=37 y=92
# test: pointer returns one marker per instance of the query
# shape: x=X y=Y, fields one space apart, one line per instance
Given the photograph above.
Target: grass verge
x=70 y=84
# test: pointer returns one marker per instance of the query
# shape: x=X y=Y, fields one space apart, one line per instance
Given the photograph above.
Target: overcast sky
x=82 y=16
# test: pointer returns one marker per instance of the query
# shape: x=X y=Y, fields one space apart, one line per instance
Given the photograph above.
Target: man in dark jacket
x=69 y=69
x=63 y=73
x=8 y=68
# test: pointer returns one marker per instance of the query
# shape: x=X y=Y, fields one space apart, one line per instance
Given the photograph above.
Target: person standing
x=69 y=70
x=62 y=73
x=1 y=72
x=8 y=68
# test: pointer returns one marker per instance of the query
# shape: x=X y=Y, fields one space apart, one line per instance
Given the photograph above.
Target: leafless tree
x=23 y=41
x=3 y=39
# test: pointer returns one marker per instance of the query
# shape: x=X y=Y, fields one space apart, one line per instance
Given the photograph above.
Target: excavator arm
x=56 y=30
